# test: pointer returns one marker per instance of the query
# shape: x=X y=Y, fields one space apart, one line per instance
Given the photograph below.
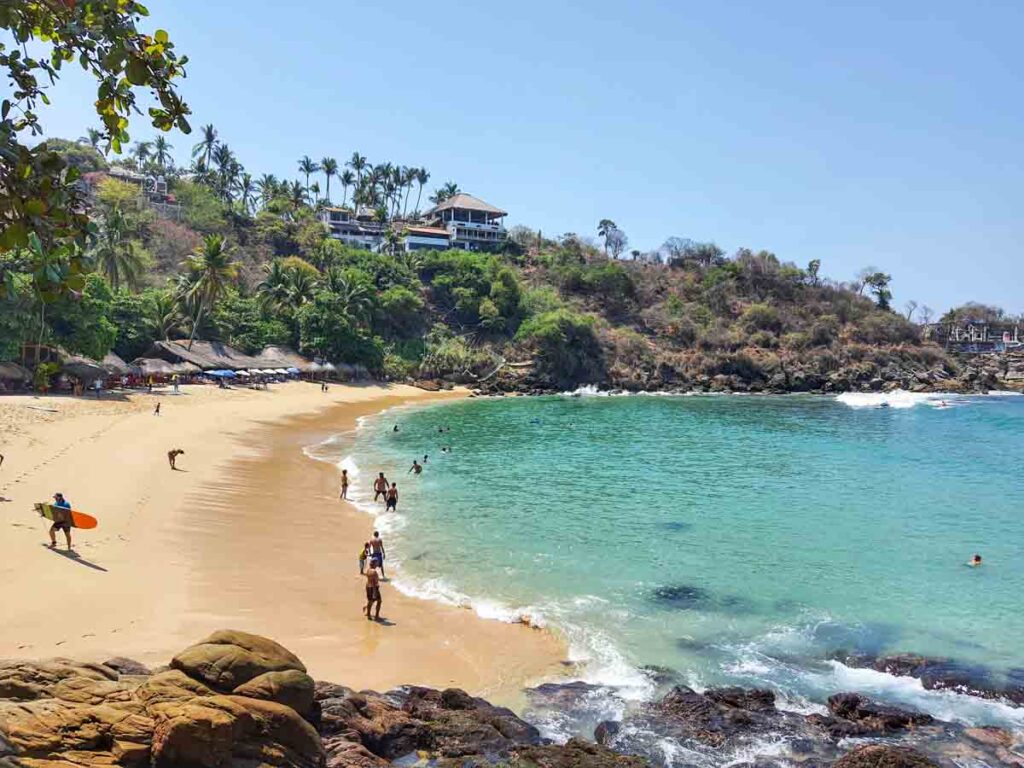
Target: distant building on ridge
x=462 y=221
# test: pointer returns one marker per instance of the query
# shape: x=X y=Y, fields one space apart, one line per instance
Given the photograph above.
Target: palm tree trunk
x=195 y=325
x=419 y=192
x=328 y=190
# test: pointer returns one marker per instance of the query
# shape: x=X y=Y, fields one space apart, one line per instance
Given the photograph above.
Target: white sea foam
x=943 y=705
x=898 y=398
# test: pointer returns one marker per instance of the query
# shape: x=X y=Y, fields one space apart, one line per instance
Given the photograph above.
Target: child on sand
x=172 y=456
x=365 y=553
x=344 y=484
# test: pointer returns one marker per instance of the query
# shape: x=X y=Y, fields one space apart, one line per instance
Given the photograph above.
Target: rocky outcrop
x=883 y=756
x=236 y=699
x=60 y=712
x=240 y=700
x=745 y=727
x=939 y=674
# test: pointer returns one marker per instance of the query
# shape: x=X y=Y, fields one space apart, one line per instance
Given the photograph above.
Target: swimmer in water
x=975 y=561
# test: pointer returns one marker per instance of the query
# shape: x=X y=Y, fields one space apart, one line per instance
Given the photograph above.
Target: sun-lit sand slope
x=248 y=535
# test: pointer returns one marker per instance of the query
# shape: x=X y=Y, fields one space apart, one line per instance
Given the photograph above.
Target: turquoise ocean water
x=729 y=539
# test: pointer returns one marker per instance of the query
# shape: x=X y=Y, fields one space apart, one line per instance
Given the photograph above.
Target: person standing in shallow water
x=344 y=485
x=416 y=467
x=380 y=487
x=391 y=499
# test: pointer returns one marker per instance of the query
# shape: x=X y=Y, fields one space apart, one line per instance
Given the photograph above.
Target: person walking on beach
x=373 y=591
x=64 y=524
x=156 y=411
x=344 y=484
x=172 y=457
x=377 y=552
x=391 y=499
x=416 y=467
x=380 y=487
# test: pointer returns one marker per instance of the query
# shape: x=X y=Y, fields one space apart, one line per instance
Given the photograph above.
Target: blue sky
x=869 y=133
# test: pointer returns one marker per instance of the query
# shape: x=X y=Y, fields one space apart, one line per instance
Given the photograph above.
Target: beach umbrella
x=243 y=373
x=294 y=371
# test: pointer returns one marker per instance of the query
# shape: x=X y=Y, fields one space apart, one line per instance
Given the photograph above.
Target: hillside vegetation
x=562 y=311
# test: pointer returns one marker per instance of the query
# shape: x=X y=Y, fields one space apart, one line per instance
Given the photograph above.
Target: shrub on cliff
x=565 y=346
x=886 y=328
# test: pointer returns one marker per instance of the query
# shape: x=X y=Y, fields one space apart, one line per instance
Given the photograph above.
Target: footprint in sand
x=61 y=642
x=89 y=635
x=22 y=647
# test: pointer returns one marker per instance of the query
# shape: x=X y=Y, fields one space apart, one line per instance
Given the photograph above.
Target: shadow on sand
x=75 y=557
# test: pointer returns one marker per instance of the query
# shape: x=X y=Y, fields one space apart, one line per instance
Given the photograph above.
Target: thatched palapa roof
x=84 y=368
x=274 y=356
x=465 y=202
x=153 y=366
x=115 y=366
x=208 y=355
x=14 y=372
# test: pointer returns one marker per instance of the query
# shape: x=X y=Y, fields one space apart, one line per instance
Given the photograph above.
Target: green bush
x=886 y=328
x=761 y=317
x=565 y=345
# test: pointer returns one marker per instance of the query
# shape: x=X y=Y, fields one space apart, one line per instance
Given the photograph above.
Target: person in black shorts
x=372 y=590
x=63 y=524
x=391 y=499
x=380 y=487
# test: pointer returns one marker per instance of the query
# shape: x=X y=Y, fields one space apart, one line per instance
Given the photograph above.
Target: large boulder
x=576 y=754
x=62 y=713
x=27 y=680
x=228 y=659
x=290 y=687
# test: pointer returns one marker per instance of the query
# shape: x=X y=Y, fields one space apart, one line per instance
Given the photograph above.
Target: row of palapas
x=165 y=359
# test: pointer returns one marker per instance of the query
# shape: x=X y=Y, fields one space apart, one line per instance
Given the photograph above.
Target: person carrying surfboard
x=61 y=525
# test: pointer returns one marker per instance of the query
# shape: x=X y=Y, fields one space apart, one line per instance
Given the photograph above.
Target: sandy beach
x=248 y=535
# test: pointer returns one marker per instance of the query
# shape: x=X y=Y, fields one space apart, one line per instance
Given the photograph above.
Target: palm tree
x=422 y=177
x=299 y=287
x=115 y=253
x=162 y=151
x=162 y=314
x=297 y=195
x=204 y=148
x=246 y=191
x=450 y=189
x=605 y=227
x=267 y=186
x=347 y=179
x=330 y=168
x=92 y=138
x=273 y=288
x=356 y=297
x=142 y=152
x=307 y=166
x=210 y=271
x=358 y=164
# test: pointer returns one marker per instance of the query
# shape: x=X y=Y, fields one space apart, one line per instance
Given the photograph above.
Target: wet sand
x=248 y=535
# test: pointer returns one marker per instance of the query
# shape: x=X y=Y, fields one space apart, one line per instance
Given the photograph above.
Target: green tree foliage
x=201 y=209
x=326 y=329
x=400 y=312
x=84 y=158
x=40 y=206
x=85 y=324
x=242 y=322
x=566 y=347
